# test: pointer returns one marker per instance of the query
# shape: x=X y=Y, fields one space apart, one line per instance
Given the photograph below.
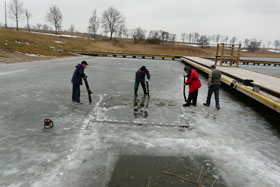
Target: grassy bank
x=34 y=45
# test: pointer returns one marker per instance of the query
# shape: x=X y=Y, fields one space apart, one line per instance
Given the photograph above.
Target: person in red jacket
x=194 y=84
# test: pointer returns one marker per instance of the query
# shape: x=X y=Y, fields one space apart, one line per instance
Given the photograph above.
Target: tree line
x=113 y=24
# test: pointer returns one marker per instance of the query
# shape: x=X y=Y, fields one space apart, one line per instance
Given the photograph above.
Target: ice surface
x=86 y=141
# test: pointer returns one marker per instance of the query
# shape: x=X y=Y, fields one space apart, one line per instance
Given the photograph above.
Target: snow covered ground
x=274 y=51
x=60 y=35
x=87 y=140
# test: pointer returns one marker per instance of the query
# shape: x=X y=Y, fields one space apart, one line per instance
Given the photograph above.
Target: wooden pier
x=245 y=61
x=265 y=88
x=172 y=57
x=131 y=55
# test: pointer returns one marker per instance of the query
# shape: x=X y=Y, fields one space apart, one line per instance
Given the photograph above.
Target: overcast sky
x=240 y=18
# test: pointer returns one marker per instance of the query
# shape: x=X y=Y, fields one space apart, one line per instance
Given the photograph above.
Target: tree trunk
x=111 y=35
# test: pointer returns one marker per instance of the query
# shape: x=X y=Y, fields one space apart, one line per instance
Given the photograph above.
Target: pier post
x=238 y=55
x=217 y=54
x=222 y=54
x=232 y=51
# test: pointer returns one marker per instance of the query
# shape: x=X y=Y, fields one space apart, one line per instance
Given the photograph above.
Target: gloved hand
x=148 y=80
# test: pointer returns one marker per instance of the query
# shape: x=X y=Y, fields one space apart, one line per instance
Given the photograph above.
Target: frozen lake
x=88 y=142
x=269 y=70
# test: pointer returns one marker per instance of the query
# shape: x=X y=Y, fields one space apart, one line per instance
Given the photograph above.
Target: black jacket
x=140 y=75
x=78 y=75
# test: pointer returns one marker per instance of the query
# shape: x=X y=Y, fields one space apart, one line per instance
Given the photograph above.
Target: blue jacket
x=78 y=75
x=140 y=75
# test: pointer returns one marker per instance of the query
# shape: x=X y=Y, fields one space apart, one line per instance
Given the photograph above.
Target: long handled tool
x=148 y=90
x=184 y=89
x=88 y=89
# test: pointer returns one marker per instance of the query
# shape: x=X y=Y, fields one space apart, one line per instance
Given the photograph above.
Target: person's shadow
x=140 y=107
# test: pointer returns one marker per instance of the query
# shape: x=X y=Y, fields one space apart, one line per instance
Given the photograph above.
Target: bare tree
x=138 y=34
x=6 y=23
x=183 y=37
x=45 y=27
x=189 y=37
x=164 y=36
x=71 y=28
x=218 y=37
x=203 y=41
x=213 y=38
x=111 y=20
x=233 y=40
x=94 y=23
x=253 y=45
x=28 y=15
x=209 y=38
x=268 y=44
x=225 y=39
x=126 y=32
x=246 y=42
x=196 y=37
x=172 y=38
x=154 y=37
x=54 y=16
x=39 y=25
x=16 y=10
x=276 y=44
x=121 y=31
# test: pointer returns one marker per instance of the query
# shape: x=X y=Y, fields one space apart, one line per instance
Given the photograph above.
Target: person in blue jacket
x=140 y=78
x=77 y=81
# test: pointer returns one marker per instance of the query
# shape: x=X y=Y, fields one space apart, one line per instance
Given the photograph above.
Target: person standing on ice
x=214 y=83
x=77 y=81
x=194 y=84
x=140 y=78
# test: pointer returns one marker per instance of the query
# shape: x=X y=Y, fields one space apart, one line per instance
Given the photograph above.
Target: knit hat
x=84 y=62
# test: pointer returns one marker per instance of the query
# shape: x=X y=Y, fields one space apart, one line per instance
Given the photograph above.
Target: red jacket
x=193 y=81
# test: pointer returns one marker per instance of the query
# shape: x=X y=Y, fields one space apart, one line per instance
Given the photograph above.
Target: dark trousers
x=215 y=89
x=76 y=93
x=192 y=98
x=136 y=85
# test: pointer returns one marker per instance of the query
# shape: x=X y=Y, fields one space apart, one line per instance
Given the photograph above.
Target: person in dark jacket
x=140 y=78
x=214 y=83
x=77 y=81
x=194 y=84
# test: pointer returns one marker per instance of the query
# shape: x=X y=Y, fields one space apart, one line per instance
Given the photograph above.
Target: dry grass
x=12 y=41
x=32 y=43
x=130 y=47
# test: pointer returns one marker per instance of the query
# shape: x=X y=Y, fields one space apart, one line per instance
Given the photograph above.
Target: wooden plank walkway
x=269 y=93
x=246 y=61
x=127 y=54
